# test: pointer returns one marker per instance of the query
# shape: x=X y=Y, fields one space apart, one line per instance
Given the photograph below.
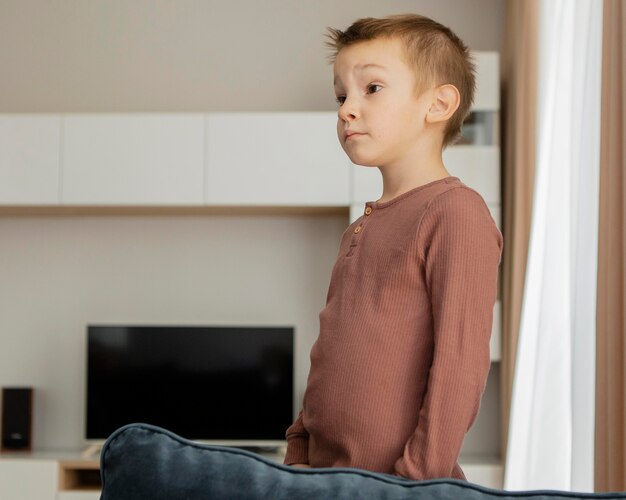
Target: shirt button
x=368 y=210
x=357 y=229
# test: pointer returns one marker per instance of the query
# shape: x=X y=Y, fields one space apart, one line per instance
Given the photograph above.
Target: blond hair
x=435 y=53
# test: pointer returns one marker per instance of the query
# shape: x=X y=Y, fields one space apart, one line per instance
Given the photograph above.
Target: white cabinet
x=478 y=167
x=276 y=159
x=194 y=159
x=29 y=159
x=38 y=479
x=495 y=346
x=48 y=475
x=222 y=159
x=487 y=96
x=367 y=185
x=22 y=479
x=78 y=495
x=483 y=471
x=133 y=159
x=190 y=159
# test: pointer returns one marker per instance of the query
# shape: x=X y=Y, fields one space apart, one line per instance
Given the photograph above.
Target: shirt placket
x=358 y=230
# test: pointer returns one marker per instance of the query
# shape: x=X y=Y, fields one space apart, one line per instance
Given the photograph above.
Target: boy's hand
x=304 y=466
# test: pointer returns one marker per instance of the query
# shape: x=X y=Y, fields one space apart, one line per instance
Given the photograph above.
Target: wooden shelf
x=103 y=210
x=79 y=475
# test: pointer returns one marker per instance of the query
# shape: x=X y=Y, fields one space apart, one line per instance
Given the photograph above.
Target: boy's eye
x=372 y=88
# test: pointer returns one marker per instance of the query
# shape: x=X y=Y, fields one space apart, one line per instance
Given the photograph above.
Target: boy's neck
x=398 y=180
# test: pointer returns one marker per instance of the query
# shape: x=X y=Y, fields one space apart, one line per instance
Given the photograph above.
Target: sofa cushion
x=141 y=461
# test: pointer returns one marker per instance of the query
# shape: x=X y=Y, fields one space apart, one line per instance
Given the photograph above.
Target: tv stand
x=49 y=474
x=92 y=451
x=261 y=450
x=61 y=475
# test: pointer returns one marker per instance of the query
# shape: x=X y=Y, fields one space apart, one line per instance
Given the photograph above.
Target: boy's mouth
x=352 y=133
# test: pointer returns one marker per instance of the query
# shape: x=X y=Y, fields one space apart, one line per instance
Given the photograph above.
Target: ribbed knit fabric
x=402 y=357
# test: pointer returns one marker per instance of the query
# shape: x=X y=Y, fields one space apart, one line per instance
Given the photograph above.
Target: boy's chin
x=362 y=162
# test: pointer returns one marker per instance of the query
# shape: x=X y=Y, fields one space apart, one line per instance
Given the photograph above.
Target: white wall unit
x=288 y=159
x=78 y=495
x=245 y=159
x=275 y=159
x=133 y=159
x=356 y=210
x=29 y=159
x=30 y=477
x=496 y=213
x=22 y=479
x=495 y=346
x=484 y=471
x=478 y=167
x=48 y=475
x=367 y=185
x=487 y=96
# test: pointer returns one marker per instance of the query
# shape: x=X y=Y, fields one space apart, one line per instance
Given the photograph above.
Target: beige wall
x=201 y=55
x=59 y=273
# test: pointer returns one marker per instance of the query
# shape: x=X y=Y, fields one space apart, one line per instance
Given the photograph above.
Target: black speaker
x=17 y=417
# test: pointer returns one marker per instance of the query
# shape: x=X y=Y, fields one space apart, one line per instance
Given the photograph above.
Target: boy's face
x=376 y=91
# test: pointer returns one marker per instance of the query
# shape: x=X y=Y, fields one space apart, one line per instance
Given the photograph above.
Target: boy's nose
x=348 y=111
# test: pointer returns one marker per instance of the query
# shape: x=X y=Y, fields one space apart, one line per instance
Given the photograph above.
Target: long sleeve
x=297 y=443
x=462 y=248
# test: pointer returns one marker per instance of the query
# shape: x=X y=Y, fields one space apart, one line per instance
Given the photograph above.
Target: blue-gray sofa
x=144 y=462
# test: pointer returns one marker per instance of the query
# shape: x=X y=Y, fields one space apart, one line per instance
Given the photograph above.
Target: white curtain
x=552 y=410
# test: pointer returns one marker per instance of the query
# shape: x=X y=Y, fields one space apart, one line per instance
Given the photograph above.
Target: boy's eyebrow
x=362 y=67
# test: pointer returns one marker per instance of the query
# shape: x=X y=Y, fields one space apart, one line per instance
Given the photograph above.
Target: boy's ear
x=445 y=101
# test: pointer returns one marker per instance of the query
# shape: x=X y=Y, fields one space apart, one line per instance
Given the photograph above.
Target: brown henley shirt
x=402 y=357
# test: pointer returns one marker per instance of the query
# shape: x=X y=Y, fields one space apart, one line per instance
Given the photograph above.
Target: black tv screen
x=206 y=383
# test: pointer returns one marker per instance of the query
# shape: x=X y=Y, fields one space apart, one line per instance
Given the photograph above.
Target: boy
x=402 y=356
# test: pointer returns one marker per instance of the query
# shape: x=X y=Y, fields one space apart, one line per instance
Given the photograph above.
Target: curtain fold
x=519 y=96
x=551 y=428
x=610 y=437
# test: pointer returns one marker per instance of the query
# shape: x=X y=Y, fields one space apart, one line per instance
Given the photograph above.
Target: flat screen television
x=217 y=384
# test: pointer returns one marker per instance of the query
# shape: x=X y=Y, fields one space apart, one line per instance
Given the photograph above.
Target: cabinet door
x=489 y=474
x=28 y=479
x=495 y=345
x=133 y=159
x=29 y=159
x=478 y=167
x=276 y=159
x=79 y=495
x=487 y=96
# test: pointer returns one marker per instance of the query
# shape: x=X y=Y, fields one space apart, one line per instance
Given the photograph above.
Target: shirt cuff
x=297 y=451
